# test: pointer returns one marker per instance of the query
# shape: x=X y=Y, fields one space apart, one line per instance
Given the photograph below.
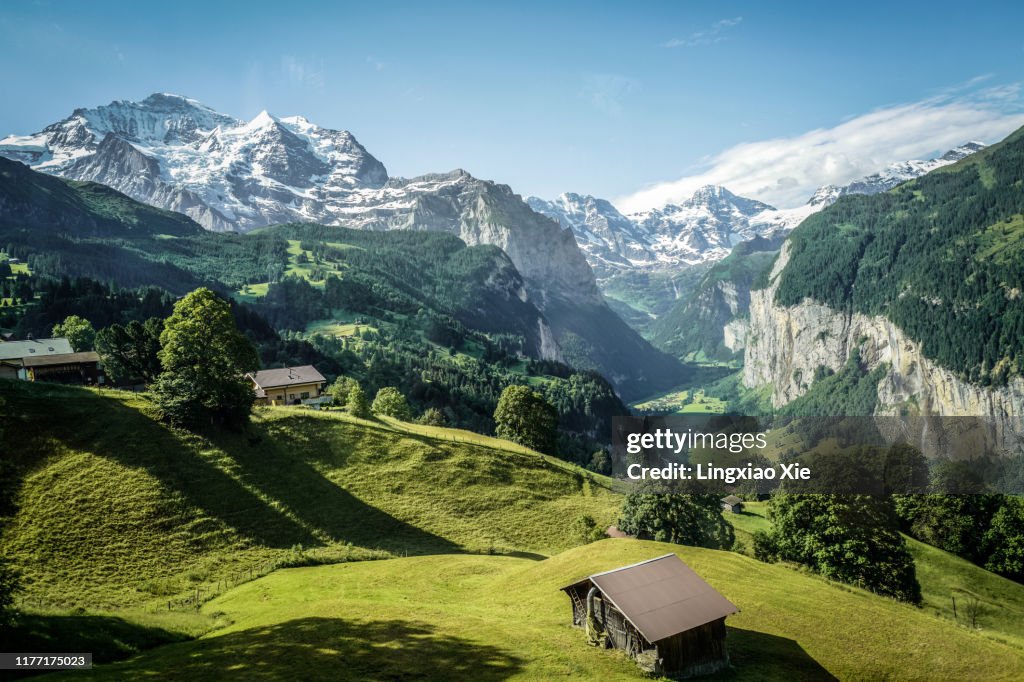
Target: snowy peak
x=262 y=121
x=961 y=152
x=707 y=225
x=221 y=171
x=893 y=175
x=609 y=239
x=159 y=119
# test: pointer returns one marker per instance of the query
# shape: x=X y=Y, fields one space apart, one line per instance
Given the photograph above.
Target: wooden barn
x=659 y=612
x=732 y=503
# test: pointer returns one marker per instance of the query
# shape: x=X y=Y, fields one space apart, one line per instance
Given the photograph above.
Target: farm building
x=288 y=385
x=50 y=360
x=660 y=612
x=731 y=503
x=11 y=350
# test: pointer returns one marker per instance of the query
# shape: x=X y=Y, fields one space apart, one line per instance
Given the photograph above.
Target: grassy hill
x=116 y=509
x=943 y=577
x=483 y=617
x=119 y=515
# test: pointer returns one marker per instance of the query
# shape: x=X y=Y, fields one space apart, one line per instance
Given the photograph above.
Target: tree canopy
x=524 y=417
x=204 y=359
x=391 y=403
x=850 y=538
x=654 y=512
x=77 y=330
x=131 y=351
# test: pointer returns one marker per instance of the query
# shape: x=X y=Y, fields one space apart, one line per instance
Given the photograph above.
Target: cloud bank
x=785 y=171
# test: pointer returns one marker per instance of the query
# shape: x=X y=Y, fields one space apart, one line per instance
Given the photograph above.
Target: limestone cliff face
x=785 y=345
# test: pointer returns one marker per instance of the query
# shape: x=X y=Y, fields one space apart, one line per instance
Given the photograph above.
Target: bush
x=358 y=405
x=765 y=548
x=667 y=515
x=391 y=403
x=586 y=530
x=340 y=390
x=850 y=538
x=432 y=417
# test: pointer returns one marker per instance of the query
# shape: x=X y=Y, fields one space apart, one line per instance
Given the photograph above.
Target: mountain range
x=705 y=227
x=175 y=153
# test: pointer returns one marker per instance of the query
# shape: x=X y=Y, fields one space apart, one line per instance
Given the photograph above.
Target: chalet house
x=50 y=360
x=659 y=612
x=288 y=385
x=733 y=504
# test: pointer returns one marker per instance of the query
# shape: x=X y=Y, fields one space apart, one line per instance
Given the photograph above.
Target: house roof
x=61 y=359
x=661 y=597
x=286 y=376
x=34 y=348
x=732 y=500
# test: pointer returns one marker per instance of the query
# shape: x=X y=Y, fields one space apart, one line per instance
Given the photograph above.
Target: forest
x=939 y=256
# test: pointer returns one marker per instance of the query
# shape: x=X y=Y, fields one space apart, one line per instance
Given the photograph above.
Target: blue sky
x=608 y=99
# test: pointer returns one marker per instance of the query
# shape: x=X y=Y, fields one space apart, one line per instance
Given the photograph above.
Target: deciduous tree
x=77 y=330
x=204 y=359
x=524 y=417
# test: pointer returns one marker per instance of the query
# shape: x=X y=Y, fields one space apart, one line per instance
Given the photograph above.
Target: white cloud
x=785 y=171
x=709 y=36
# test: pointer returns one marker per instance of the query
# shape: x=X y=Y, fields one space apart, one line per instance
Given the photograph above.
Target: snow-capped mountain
x=705 y=227
x=176 y=153
x=227 y=174
x=611 y=240
x=892 y=175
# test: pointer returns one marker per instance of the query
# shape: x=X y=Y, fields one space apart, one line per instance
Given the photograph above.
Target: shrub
x=391 y=403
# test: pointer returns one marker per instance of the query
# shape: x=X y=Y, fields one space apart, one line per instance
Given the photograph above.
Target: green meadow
x=320 y=545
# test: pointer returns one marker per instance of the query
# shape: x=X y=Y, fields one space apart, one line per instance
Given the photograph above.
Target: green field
x=159 y=513
x=484 y=617
x=307 y=270
x=415 y=552
x=682 y=402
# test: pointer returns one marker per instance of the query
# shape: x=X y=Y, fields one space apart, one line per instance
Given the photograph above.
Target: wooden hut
x=659 y=612
x=732 y=503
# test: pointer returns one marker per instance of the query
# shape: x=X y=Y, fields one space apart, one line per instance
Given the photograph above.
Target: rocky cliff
x=786 y=345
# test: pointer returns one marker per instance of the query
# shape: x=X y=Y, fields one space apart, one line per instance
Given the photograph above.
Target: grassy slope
x=124 y=511
x=941 y=575
x=475 y=617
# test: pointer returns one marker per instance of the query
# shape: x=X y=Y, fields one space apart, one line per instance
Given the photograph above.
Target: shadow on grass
x=107 y=638
x=47 y=417
x=325 y=649
x=760 y=656
x=280 y=465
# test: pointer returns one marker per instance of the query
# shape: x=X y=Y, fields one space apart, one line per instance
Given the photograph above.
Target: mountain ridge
x=227 y=174
x=705 y=227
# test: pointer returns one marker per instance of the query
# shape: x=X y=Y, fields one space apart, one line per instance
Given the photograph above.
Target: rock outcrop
x=786 y=345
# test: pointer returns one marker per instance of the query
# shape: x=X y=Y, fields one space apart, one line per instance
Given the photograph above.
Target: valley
x=455 y=355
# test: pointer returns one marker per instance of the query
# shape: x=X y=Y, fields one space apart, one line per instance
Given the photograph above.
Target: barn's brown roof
x=287 y=376
x=661 y=597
